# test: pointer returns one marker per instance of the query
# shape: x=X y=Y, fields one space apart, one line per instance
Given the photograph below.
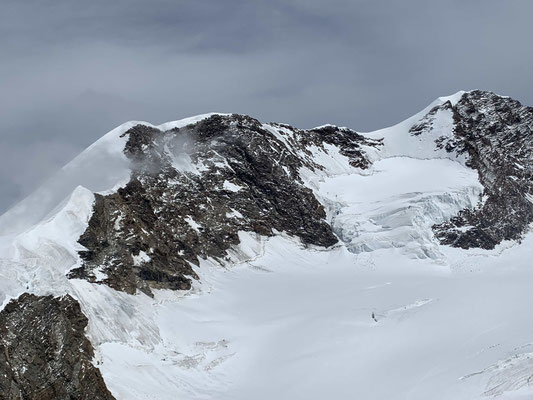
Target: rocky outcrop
x=44 y=354
x=193 y=189
x=497 y=135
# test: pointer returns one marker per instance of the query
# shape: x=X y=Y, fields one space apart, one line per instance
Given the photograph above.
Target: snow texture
x=385 y=314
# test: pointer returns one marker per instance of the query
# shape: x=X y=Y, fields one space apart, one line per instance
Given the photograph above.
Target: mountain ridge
x=181 y=202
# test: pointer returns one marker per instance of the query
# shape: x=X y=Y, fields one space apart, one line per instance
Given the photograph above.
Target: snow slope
x=297 y=324
x=385 y=314
x=399 y=142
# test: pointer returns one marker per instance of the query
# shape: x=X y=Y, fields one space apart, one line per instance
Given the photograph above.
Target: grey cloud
x=71 y=70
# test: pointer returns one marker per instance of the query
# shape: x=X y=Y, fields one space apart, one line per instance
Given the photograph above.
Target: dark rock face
x=44 y=354
x=497 y=134
x=193 y=189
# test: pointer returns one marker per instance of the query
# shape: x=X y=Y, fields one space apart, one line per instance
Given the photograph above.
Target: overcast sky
x=72 y=70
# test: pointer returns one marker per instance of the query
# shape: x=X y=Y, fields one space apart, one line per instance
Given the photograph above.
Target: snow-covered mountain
x=218 y=257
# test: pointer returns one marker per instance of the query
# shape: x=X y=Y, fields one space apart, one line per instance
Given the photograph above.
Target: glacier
x=387 y=313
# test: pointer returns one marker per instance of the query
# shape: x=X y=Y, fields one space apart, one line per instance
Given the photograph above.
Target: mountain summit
x=222 y=257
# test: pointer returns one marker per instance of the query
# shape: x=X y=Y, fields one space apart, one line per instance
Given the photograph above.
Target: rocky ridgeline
x=193 y=189
x=497 y=135
x=44 y=354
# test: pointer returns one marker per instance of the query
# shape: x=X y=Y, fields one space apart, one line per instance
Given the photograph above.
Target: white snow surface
x=385 y=314
x=231 y=186
x=399 y=142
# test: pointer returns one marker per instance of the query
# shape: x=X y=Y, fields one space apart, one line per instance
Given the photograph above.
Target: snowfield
x=387 y=313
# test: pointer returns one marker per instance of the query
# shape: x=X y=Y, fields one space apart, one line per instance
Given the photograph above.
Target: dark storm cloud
x=72 y=70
